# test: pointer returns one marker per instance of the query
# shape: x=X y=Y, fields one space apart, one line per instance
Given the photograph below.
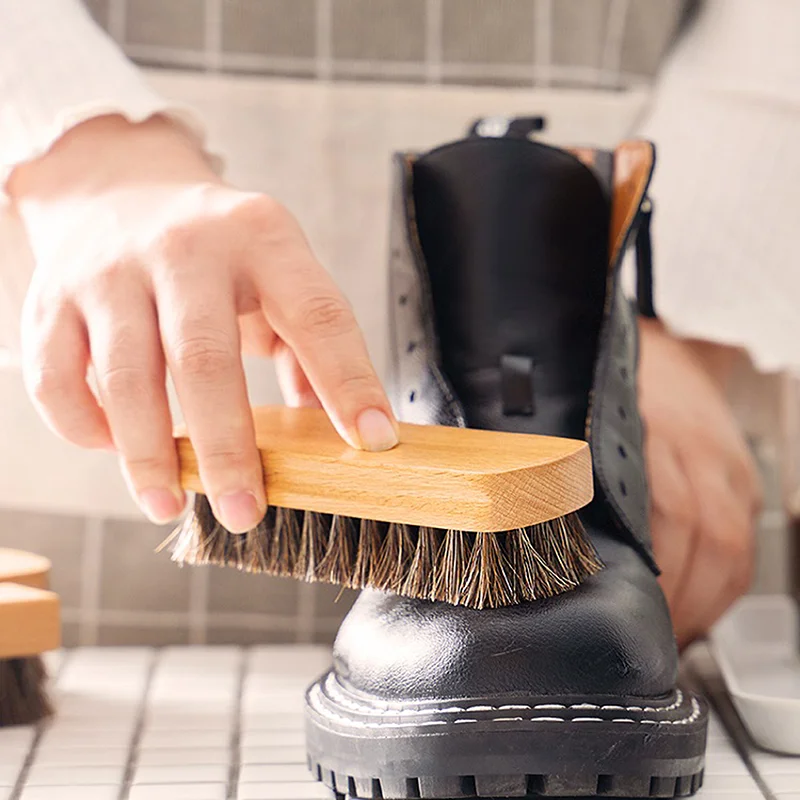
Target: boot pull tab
x=499 y=127
x=644 y=261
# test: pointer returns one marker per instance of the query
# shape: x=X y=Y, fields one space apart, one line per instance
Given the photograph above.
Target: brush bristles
x=23 y=696
x=479 y=570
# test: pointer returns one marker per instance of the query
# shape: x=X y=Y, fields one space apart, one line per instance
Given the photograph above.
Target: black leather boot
x=507 y=314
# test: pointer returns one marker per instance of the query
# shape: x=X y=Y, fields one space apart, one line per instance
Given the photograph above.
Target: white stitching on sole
x=334 y=689
x=316 y=691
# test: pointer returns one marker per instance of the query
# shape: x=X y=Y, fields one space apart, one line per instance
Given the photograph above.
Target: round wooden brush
x=471 y=517
x=29 y=626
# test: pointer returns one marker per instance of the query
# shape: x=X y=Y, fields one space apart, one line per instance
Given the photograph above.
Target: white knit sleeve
x=58 y=69
x=726 y=122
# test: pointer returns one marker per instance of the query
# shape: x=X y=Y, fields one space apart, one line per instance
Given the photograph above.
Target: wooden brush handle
x=28 y=569
x=29 y=621
x=452 y=478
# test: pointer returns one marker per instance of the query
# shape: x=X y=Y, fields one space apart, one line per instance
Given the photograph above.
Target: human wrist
x=105 y=152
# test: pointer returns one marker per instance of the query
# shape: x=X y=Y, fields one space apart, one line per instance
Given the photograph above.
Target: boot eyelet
x=623 y=414
x=623 y=371
x=623 y=488
x=622 y=451
x=412 y=397
x=412 y=346
x=403 y=299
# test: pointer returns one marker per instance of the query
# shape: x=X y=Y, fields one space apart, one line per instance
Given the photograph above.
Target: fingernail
x=239 y=511
x=160 y=505
x=375 y=430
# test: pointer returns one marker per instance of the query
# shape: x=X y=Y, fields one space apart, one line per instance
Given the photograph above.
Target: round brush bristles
x=479 y=570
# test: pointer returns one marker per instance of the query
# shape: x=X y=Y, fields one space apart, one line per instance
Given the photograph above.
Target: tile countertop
x=130 y=727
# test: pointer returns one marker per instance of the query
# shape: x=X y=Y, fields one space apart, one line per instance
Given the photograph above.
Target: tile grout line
x=324 y=40
x=198 y=605
x=30 y=756
x=138 y=729
x=306 y=613
x=236 y=734
x=213 y=35
x=434 y=41
x=91 y=575
x=542 y=42
x=117 y=20
x=611 y=59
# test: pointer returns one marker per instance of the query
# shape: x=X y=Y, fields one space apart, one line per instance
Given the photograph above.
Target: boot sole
x=360 y=747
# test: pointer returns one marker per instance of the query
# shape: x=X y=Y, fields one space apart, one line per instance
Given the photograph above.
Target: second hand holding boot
x=507 y=315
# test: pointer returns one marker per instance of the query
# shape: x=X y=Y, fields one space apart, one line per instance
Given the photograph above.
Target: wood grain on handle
x=27 y=569
x=29 y=621
x=456 y=478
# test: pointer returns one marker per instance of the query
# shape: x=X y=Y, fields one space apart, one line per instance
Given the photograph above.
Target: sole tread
x=461 y=787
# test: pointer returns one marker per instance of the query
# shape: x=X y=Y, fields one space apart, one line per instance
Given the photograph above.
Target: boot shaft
x=506 y=311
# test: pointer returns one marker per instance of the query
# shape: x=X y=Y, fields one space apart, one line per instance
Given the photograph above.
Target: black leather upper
x=609 y=637
x=499 y=248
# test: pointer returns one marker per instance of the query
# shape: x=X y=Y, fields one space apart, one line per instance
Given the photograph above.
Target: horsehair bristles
x=23 y=691
x=479 y=570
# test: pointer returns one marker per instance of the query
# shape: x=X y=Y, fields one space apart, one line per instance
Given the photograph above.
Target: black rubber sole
x=504 y=747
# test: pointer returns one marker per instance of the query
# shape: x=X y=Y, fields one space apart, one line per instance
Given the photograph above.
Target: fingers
x=130 y=372
x=720 y=568
x=200 y=337
x=295 y=387
x=55 y=358
x=673 y=517
x=309 y=314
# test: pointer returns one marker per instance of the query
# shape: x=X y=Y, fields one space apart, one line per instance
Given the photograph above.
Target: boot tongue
x=515 y=238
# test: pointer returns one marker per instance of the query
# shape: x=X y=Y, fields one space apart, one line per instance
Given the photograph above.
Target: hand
x=705 y=491
x=147 y=262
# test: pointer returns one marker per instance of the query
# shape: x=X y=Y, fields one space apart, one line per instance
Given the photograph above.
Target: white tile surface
x=188 y=721
x=48 y=756
x=729 y=783
x=263 y=739
x=184 y=739
x=74 y=776
x=88 y=737
x=205 y=773
x=179 y=756
x=283 y=791
x=272 y=722
x=16 y=737
x=180 y=791
x=70 y=792
x=8 y=774
x=769 y=764
x=274 y=773
x=273 y=755
x=783 y=784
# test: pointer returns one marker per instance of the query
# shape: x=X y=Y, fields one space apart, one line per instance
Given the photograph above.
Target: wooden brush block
x=28 y=569
x=452 y=478
x=29 y=621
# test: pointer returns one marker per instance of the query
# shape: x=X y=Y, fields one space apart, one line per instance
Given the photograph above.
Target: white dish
x=757 y=649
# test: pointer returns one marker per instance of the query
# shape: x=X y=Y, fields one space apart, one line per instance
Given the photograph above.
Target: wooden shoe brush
x=29 y=626
x=471 y=517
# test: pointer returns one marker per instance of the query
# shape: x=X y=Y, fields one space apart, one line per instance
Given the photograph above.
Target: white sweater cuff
x=58 y=69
